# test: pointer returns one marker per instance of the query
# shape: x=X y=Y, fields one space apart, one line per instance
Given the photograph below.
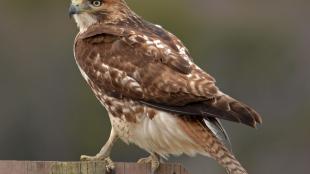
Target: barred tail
x=210 y=144
x=231 y=164
x=223 y=156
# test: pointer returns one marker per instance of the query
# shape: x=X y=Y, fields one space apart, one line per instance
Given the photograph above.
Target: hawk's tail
x=211 y=145
x=223 y=156
x=228 y=160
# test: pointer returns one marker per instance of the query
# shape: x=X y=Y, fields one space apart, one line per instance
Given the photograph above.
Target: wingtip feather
x=242 y=112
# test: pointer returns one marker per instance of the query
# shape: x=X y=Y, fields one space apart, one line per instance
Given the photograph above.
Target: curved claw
x=110 y=166
x=153 y=160
x=88 y=158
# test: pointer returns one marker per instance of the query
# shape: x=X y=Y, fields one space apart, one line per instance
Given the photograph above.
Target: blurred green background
x=259 y=52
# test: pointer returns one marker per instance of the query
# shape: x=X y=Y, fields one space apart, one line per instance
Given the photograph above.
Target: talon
x=144 y=160
x=153 y=160
x=87 y=158
x=110 y=166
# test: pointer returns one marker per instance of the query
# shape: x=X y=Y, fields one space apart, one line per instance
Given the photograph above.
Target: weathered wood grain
x=55 y=167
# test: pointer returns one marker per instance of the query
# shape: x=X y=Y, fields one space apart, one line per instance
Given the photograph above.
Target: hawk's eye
x=96 y=3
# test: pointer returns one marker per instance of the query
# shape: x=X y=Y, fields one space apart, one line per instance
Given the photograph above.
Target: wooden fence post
x=55 y=167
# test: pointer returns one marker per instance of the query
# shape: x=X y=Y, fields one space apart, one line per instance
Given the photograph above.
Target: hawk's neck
x=121 y=16
x=84 y=21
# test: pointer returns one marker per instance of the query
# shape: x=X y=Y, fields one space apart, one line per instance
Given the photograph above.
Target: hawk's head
x=88 y=12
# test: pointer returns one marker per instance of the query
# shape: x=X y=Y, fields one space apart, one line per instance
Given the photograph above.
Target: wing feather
x=156 y=70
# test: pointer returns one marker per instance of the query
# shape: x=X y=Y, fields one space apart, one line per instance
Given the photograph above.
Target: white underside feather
x=84 y=20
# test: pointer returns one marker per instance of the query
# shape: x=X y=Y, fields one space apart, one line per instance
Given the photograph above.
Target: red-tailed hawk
x=156 y=96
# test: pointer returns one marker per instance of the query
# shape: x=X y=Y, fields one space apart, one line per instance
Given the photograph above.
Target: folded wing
x=156 y=70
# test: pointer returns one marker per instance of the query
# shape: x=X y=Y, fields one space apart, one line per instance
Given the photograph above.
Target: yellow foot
x=153 y=160
x=109 y=163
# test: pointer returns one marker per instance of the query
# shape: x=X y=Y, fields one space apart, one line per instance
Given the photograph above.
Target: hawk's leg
x=153 y=159
x=104 y=154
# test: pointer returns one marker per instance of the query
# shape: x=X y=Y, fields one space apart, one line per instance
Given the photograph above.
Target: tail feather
x=210 y=145
x=229 y=161
x=223 y=156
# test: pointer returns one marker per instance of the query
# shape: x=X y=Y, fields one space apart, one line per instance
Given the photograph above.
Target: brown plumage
x=146 y=79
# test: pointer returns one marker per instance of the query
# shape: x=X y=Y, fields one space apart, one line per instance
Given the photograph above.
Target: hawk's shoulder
x=148 y=42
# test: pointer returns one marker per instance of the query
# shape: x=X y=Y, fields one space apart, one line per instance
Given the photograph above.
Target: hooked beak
x=74 y=9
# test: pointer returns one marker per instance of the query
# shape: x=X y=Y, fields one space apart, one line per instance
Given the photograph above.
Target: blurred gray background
x=257 y=50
